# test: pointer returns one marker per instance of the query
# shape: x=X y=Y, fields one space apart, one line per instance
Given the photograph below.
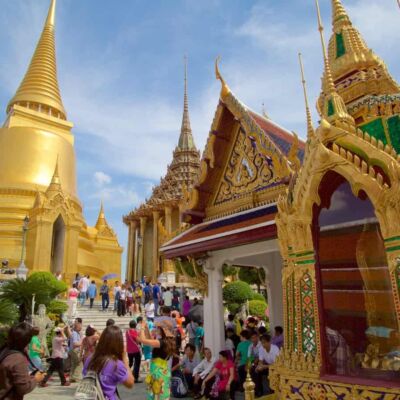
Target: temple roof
x=40 y=84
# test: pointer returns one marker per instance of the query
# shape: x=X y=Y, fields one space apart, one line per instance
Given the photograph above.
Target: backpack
x=89 y=388
x=178 y=386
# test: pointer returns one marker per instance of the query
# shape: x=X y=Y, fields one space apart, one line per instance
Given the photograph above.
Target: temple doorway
x=57 y=246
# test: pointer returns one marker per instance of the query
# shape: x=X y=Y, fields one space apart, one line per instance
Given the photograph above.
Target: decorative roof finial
x=224 y=87
x=186 y=141
x=55 y=183
x=329 y=85
x=42 y=91
x=101 y=219
x=310 y=128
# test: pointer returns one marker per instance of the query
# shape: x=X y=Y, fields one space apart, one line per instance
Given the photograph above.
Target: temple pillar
x=155 y=261
x=213 y=308
x=136 y=276
x=130 y=267
x=168 y=219
x=143 y=221
x=168 y=264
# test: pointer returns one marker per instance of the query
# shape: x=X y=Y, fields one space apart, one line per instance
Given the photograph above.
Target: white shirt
x=254 y=351
x=83 y=284
x=123 y=294
x=269 y=356
x=116 y=289
x=204 y=368
x=167 y=296
x=149 y=309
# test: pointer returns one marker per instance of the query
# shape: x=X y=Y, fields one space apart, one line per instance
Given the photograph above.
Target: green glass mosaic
x=375 y=128
x=394 y=131
x=294 y=319
x=340 y=47
x=331 y=109
x=308 y=322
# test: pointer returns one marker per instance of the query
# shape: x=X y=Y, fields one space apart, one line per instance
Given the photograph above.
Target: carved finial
x=224 y=87
x=293 y=153
x=329 y=85
x=51 y=16
x=310 y=128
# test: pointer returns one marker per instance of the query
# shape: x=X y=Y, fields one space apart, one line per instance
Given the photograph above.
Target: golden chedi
x=38 y=179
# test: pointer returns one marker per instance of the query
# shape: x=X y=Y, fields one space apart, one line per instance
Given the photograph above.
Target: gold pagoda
x=159 y=218
x=38 y=179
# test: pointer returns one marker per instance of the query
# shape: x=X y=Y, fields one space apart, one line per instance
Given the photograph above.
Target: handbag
x=89 y=388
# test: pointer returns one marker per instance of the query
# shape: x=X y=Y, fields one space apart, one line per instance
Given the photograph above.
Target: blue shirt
x=156 y=291
x=92 y=291
x=75 y=337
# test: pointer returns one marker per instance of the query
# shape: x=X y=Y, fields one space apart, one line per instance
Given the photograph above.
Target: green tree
x=20 y=292
x=8 y=312
x=229 y=271
x=237 y=292
x=257 y=308
x=253 y=276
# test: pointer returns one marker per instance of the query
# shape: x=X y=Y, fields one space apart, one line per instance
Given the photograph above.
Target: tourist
x=267 y=356
x=224 y=369
x=89 y=342
x=129 y=300
x=83 y=287
x=231 y=322
x=72 y=301
x=105 y=295
x=133 y=349
x=76 y=279
x=121 y=296
x=175 y=299
x=147 y=350
x=149 y=310
x=116 y=290
x=92 y=293
x=191 y=331
x=231 y=342
x=110 y=322
x=199 y=339
x=158 y=380
x=110 y=363
x=147 y=293
x=187 y=305
x=277 y=340
x=156 y=297
x=242 y=355
x=167 y=297
x=201 y=371
x=57 y=358
x=255 y=347
x=15 y=380
x=36 y=352
x=75 y=342
x=138 y=298
x=189 y=361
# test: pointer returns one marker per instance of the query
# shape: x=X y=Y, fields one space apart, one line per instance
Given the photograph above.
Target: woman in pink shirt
x=72 y=301
x=133 y=349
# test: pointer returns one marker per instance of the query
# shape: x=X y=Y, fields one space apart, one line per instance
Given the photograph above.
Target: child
x=199 y=339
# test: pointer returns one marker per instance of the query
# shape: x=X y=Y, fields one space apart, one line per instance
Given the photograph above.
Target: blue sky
x=120 y=67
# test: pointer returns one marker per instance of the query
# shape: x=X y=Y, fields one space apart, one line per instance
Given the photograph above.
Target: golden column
x=130 y=268
x=154 y=273
x=169 y=267
x=143 y=221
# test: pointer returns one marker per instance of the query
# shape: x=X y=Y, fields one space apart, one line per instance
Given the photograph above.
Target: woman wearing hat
x=158 y=380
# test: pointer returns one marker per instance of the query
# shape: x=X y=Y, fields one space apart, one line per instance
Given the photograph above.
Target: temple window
x=340 y=47
x=359 y=330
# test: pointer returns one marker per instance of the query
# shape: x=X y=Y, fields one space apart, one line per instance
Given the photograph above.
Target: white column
x=273 y=284
x=214 y=334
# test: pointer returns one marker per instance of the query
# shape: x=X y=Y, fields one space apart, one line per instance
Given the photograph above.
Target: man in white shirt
x=254 y=348
x=116 y=289
x=167 y=297
x=267 y=356
x=83 y=287
x=149 y=309
x=201 y=371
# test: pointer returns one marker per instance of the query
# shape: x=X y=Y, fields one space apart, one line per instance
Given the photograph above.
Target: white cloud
x=101 y=178
x=116 y=196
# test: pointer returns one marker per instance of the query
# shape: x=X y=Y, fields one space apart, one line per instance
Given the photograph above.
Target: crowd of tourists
x=164 y=345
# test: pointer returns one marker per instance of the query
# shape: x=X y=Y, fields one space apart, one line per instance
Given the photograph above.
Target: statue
x=45 y=324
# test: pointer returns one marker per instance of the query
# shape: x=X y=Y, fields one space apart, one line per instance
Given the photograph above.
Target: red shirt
x=224 y=373
x=132 y=346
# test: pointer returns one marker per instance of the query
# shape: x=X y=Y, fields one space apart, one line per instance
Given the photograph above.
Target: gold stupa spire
x=101 y=219
x=186 y=141
x=310 y=127
x=39 y=88
x=55 y=183
x=333 y=108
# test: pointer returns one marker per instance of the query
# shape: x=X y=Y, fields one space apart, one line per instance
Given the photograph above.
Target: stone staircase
x=95 y=316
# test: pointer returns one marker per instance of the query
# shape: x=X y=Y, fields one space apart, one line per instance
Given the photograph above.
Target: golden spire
x=224 y=87
x=339 y=15
x=310 y=128
x=39 y=88
x=101 y=219
x=333 y=108
x=55 y=183
x=186 y=141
